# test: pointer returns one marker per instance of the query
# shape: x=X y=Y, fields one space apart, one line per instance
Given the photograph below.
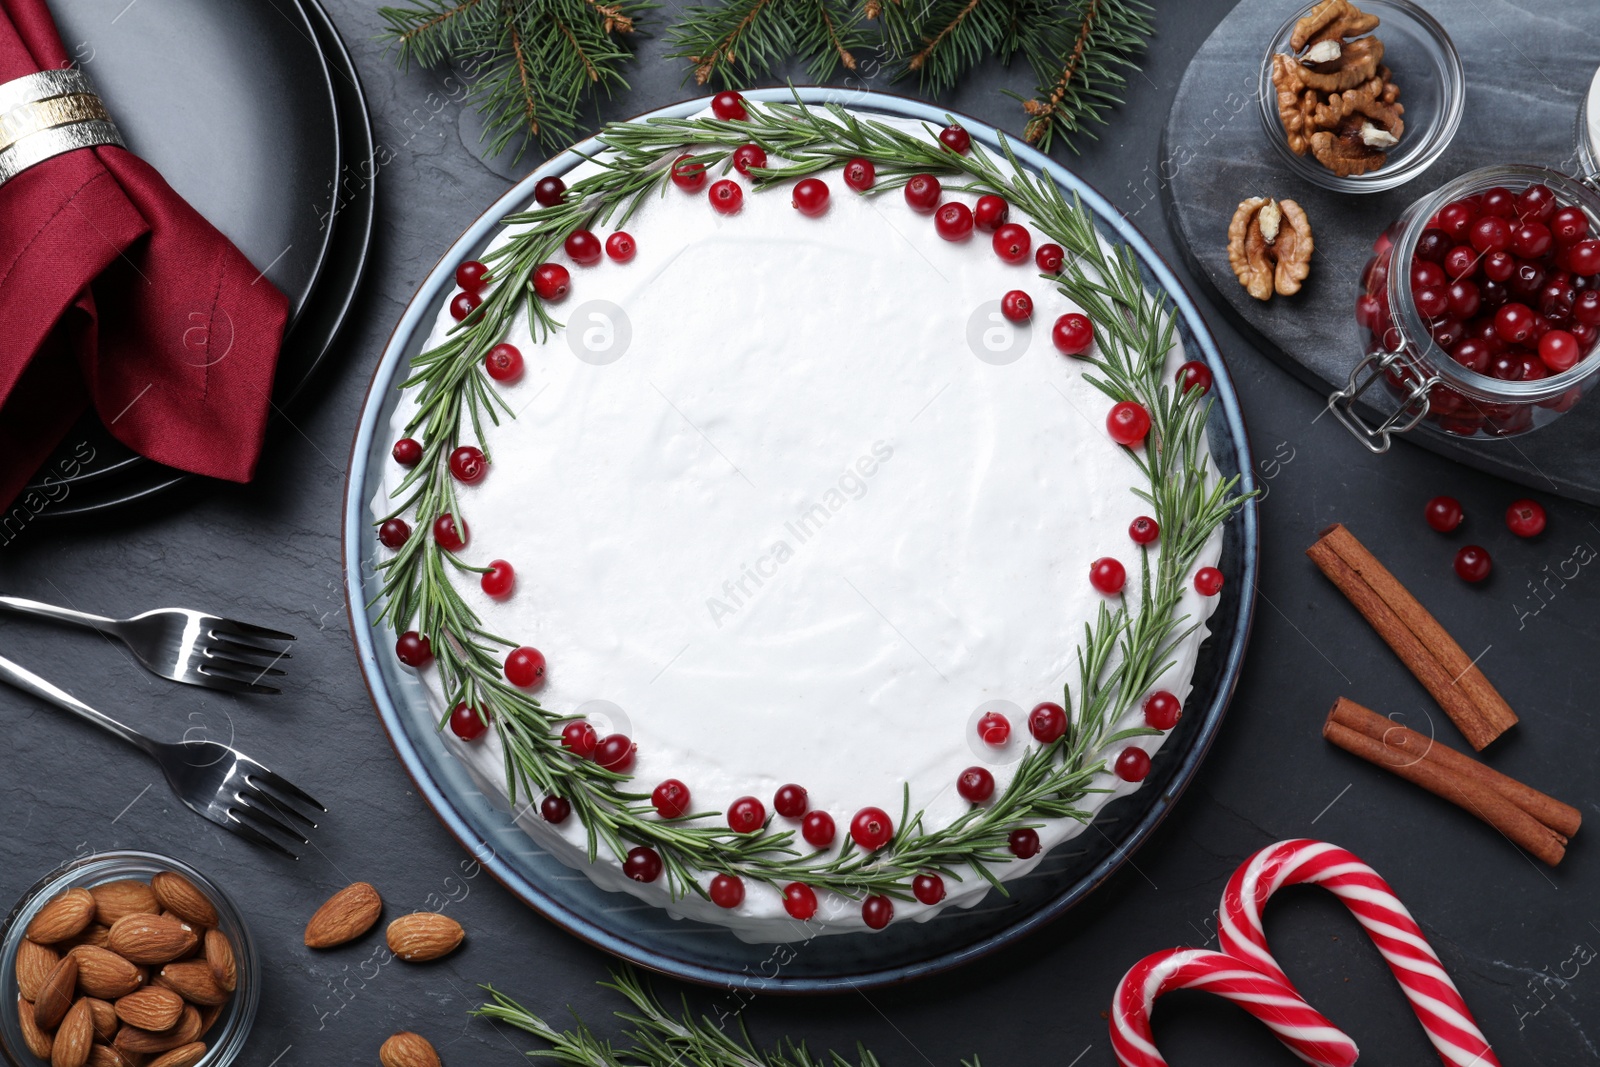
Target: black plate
x=319 y=319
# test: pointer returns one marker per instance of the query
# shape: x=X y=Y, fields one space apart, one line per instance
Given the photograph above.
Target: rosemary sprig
x=1124 y=650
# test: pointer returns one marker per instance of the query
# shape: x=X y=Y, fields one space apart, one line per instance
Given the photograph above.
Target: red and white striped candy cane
x=1266 y=996
x=1433 y=996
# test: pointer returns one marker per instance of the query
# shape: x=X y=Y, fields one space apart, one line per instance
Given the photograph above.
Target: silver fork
x=185 y=646
x=213 y=779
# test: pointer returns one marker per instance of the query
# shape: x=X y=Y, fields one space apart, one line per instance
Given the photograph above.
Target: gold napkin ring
x=45 y=114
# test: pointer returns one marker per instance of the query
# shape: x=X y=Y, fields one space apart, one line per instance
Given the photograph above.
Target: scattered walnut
x=1331 y=20
x=1270 y=246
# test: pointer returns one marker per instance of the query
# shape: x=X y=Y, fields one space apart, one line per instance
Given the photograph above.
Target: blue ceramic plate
x=691 y=950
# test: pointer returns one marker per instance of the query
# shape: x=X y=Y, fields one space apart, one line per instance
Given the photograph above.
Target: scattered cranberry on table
x=687 y=173
x=579 y=738
x=1024 y=843
x=1128 y=423
x=746 y=815
x=1444 y=513
x=555 y=809
x=551 y=281
x=877 y=911
x=407 y=452
x=1108 y=576
x=414 y=650
x=725 y=196
x=1073 y=333
x=504 y=362
x=620 y=247
x=468 y=465
x=584 y=247
x=525 y=667
x=450 y=534
x=953 y=221
x=1162 y=710
x=1047 y=722
x=990 y=212
x=956 y=139
x=871 y=828
x=1012 y=243
x=747 y=156
x=928 y=888
x=975 y=784
x=1144 y=530
x=729 y=105
x=1473 y=563
x=799 y=900
x=811 y=197
x=463 y=304
x=727 y=891
x=643 y=864
x=994 y=728
x=499 y=579
x=1133 y=765
x=1016 y=306
x=1525 y=518
x=791 y=801
x=670 y=799
x=549 y=192
x=922 y=193
x=1049 y=257
x=616 y=753
x=859 y=174
x=818 y=829
x=472 y=276
x=394 y=533
x=1208 y=581
x=1194 y=375
x=466 y=723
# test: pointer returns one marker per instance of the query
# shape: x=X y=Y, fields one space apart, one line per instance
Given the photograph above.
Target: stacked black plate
x=253 y=111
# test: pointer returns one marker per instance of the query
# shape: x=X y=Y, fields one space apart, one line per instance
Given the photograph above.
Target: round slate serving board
x=1528 y=66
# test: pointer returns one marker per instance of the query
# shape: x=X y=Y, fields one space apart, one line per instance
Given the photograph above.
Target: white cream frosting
x=798 y=531
x=1591 y=113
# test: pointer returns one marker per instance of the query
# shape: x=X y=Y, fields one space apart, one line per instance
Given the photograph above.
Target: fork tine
x=267 y=800
x=234 y=646
x=260 y=775
x=246 y=806
x=250 y=833
x=242 y=667
x=234 y=628
x=203 y=675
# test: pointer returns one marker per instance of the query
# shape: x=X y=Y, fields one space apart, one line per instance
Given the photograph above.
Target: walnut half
x=1270 y=246
x=1355 y=130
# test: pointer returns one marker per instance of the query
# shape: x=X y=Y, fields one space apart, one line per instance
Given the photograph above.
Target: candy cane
x=1269 y=998
x=1441 y=1010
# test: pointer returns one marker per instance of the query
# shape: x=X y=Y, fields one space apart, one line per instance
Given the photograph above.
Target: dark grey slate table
x=1505 y=927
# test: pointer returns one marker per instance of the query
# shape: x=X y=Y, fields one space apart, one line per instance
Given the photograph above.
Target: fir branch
x=738 y=42
x=1101 y=39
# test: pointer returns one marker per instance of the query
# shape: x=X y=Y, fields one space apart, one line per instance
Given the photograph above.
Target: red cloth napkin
x=115 y=292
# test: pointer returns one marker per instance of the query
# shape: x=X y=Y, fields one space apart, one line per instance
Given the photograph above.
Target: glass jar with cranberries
x=1480 y=308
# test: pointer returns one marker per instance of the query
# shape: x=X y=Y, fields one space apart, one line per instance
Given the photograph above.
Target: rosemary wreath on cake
x=1124 y=650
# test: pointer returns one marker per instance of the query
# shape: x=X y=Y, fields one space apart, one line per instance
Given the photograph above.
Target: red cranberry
x=504 y=363
x=1498 y=202
x=1162 y=710
x=1584 y=257
x=1506 y=366
x=790 y=801
x=467 y=465
x=1569 y=226
x=1047 y=722
x=1473 y=563
x=584 y=247
x=1425 y=274
x=463 y=304
x=1558 y=349
x=1490 y=234
x=1473 y=355
x=811 y=196
x=928 y=888
x=407 y=452
x=620 y=247
x=922 y=193
x=1585 y=309
x=499 y=579
x=1499 y=266
x=551 y=281
x=1143 y=530
x=1049 y=257
x=643 y=864
x=725 y=196
x=994 y=728
x=727 y=891
x=394 y=533
x=1460 y=261
x=746 y=815
x=975 y=784
x=1492 y=295
x=413 y=649
x=729 y=106
x=1012 y=243
x=871 y=828
x=1128 y=423
x=1443 y=513
x=1024 y=843
x=818 y=829
x=1430 y=303
x=579 y=738
x=1446 y=332
x=1536 y=202
x=1464 y=299
x=450 y=534
x=956 y=139
x=1073 y=333
x=953 y=221
x=555 y=809
x=991 y=212
x=671 y=799
x=472 y=276
x=1456 y=219
x=799 y=901
x=877 y=912
x=747 y=156
x=1531 y=240
x=550 y=192
x=1017 y=306
x=1514 y=323
x=1194 y=375
x=1527 y=279
x=1133 y=765
x=1108 y=576
x=616 y=753
x=1525 y=518
x=466 y=723
x=525 y=667
x=859 y=174
x=1208 y=581
x=1432 y=245
x=687 y=173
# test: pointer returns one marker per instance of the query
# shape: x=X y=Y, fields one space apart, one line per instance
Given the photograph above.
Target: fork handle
x=21 y=606
x=29 y=682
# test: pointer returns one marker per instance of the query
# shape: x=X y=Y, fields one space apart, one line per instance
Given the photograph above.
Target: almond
x=113 y=900
x=152 y=938
x=348 y=914
x=184 y=899
x=34 y=964
x=103 y=1014
x=104 y=974
x=219 y=956
x=406 y=1049
x=106 y=1056
x=423 y=936
x=64 y=916
x=39 y=1043
x=187 y=1056
x=209 y=1017
x=193 y=981
x=131 y=1039
x=55 y=996
x=151 y=1008
x=96 y=934
x=74 y=1038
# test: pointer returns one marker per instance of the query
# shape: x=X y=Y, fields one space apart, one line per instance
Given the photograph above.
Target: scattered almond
x=346 y=915
x=39 y=1043
x=104 y=1016
x=34 y=964
x=152 y=939
x=55 y=996
x=64 y=916
x=151 y=1008
x=423 y=936
x=193 y=981
x=104 y=974
x=406 y=1049
x=72 y=1041
x=219 y=956
x=187 y=1056
x=113 y=900
x=181 y=897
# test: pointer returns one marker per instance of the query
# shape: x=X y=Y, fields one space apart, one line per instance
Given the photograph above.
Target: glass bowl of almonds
x=1359 y=96
x=126 y=959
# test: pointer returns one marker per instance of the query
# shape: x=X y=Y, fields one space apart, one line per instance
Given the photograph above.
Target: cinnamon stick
x=1438 y=662
x=1410 y=746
